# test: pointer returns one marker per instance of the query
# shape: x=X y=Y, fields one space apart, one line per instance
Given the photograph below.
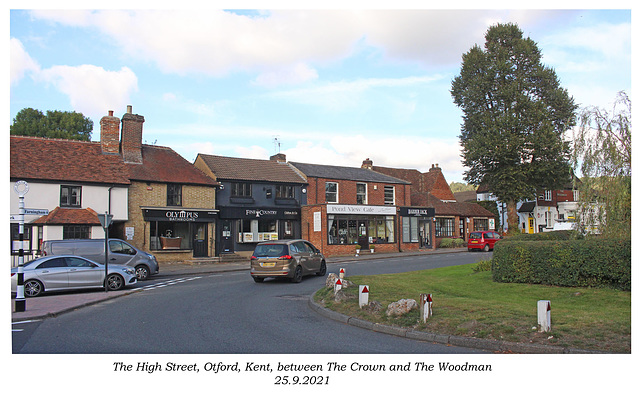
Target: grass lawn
x=466 y=303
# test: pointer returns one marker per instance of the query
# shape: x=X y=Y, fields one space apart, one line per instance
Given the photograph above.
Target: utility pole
x=21 y=188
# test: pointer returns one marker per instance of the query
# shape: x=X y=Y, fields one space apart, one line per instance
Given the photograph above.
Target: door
x=120 y=252
x=226 y=237
x=83 y=273
x=363 y=238
x=200 y=240
x=531 y=226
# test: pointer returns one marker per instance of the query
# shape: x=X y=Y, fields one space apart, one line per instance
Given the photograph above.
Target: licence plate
x=268 y=264
x=474 y=242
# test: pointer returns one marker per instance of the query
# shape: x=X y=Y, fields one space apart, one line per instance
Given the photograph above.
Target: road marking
x=22 y=322
x=168 y=283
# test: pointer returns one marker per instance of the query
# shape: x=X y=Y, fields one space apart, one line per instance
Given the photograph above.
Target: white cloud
x=92 y=90
x=21 y=62
x=295 y=74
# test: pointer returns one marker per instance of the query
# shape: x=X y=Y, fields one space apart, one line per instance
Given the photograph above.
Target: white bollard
x=426 y=310
x=341 y=272
x=544 y=316
x=363 y=291
x=337 y=286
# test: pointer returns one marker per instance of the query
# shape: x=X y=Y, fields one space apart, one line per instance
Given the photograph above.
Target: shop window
x=480 y=224
x=331 y=192
x=389 y=195
x=174 y=195
x=445 y=227
x=344 y=229
x=70 y=196
x=257 y=230
x=410 y=230
x=361 y=193
x=173 y=230
x=76 y=232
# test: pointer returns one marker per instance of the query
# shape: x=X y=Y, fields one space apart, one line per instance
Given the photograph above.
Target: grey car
x=68 y=272
x=291 y=259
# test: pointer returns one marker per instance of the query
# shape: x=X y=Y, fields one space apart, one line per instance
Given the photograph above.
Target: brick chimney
x=132 y=137
x=110 y=134
x=367 y=164
x=435 y=168
x=279 y=157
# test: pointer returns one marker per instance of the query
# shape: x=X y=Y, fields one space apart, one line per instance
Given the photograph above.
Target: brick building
x=349 y=206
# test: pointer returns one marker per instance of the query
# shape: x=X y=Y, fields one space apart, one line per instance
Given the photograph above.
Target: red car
x=484 y=240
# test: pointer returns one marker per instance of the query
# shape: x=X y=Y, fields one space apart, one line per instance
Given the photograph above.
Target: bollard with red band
x=363 y=291
x=342 y=272
x=337 y=286
x=544 y=316
x=426 y=310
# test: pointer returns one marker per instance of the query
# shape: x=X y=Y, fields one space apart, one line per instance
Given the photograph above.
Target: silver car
x=286 y=258
x=68 y=272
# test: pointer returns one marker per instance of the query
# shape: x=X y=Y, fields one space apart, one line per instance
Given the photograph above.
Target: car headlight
x=129 y=271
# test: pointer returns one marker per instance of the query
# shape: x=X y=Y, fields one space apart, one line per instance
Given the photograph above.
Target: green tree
x=56 y=124
x=602 y=151
x=515 y=115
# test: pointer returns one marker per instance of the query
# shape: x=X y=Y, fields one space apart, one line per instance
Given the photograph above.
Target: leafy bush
x=451 y=243
x=569 y=263
x=555 y=235
x=482 y=266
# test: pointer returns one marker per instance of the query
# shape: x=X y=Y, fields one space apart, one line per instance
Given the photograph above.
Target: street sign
x=36 y=211
x=105 y=219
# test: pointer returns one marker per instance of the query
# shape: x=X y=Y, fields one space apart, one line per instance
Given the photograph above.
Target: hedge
x=567 y=263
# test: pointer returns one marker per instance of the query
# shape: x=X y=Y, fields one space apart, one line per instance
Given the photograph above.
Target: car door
x=53 y=273
x=120 y=252
x=315 y=259
x=83 y=273
x=303 y=255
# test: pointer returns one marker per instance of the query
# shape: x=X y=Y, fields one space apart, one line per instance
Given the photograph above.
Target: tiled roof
x=164 y=165
x=432 y=182
x=36 y=158
x=228 y=168
x=346 y=173
x=69 y=216
x=450 y=208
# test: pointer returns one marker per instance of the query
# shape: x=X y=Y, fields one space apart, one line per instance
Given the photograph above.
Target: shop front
x=417 y=227
x=184 y=230
x=240 y=229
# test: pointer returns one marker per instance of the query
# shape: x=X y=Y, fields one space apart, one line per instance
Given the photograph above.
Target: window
x=240 y=189
x=444 y=227
x=174 y=195
x=76 y=232
x=389 y=195
x=51 y=263
x=410 y=230
x=344 y=229
x=480 y=224
x=70 y=196
x=285 y=192
x=576 y=195
x=331 y=192
x=548 y=195
x=361 y=193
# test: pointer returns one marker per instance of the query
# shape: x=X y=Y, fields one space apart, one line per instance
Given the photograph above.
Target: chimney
x=110 y=134
x=367 y=164
x=435 y=168
x=132 y=137
x=279 y=157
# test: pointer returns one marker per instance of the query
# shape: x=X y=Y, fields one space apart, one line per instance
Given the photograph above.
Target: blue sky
x=330 y=86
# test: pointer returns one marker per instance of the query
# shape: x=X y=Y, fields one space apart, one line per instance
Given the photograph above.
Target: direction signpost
x=105 y=221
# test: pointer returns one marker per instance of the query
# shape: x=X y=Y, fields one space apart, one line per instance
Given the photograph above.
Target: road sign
x=36 y=211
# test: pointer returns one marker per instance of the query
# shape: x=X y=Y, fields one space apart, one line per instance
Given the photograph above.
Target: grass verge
x=469 y=303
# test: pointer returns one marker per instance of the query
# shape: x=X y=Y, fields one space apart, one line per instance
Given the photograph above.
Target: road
x=227 y=313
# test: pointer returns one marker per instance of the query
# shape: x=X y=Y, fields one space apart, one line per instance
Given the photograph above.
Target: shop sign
x=179 y=215
x=360 y=210
x=256 y=213
x=417 y=211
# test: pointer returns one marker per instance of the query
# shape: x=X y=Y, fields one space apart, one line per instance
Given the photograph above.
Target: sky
x=325 y=86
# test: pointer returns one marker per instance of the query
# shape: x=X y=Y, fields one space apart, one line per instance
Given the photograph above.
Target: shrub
x=451 y=243
x=569 y=263
x=482 y=266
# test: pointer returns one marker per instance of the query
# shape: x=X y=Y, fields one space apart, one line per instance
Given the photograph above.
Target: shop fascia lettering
x=353 y=209
x=182 y=215
x=260 y=213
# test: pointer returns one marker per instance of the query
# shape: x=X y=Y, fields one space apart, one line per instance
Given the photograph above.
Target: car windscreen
x=270 y=250
x=475 y=235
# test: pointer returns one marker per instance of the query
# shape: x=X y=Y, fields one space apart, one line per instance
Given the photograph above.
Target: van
x=120 y=253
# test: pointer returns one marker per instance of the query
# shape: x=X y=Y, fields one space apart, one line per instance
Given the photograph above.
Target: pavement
x=52 y=305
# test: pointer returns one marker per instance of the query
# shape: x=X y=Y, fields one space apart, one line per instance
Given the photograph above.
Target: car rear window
x=475 y=235
x=270 y=250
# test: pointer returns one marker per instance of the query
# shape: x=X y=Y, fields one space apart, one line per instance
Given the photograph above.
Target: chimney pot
x=129 y=109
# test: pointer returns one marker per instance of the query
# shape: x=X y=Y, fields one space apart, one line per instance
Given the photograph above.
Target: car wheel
x=297 y=275
x=486 y=248
x=142 y=272
x=115 y=282
x=258 y=279
x=33 y=288
x=323 y=269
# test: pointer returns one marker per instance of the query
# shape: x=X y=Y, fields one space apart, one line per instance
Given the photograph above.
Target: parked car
x=120 y=253
x=292 y=259
x=484 y=240
x=68 y=272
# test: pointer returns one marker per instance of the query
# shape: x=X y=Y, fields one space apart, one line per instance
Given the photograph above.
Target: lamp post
x=21 y=188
